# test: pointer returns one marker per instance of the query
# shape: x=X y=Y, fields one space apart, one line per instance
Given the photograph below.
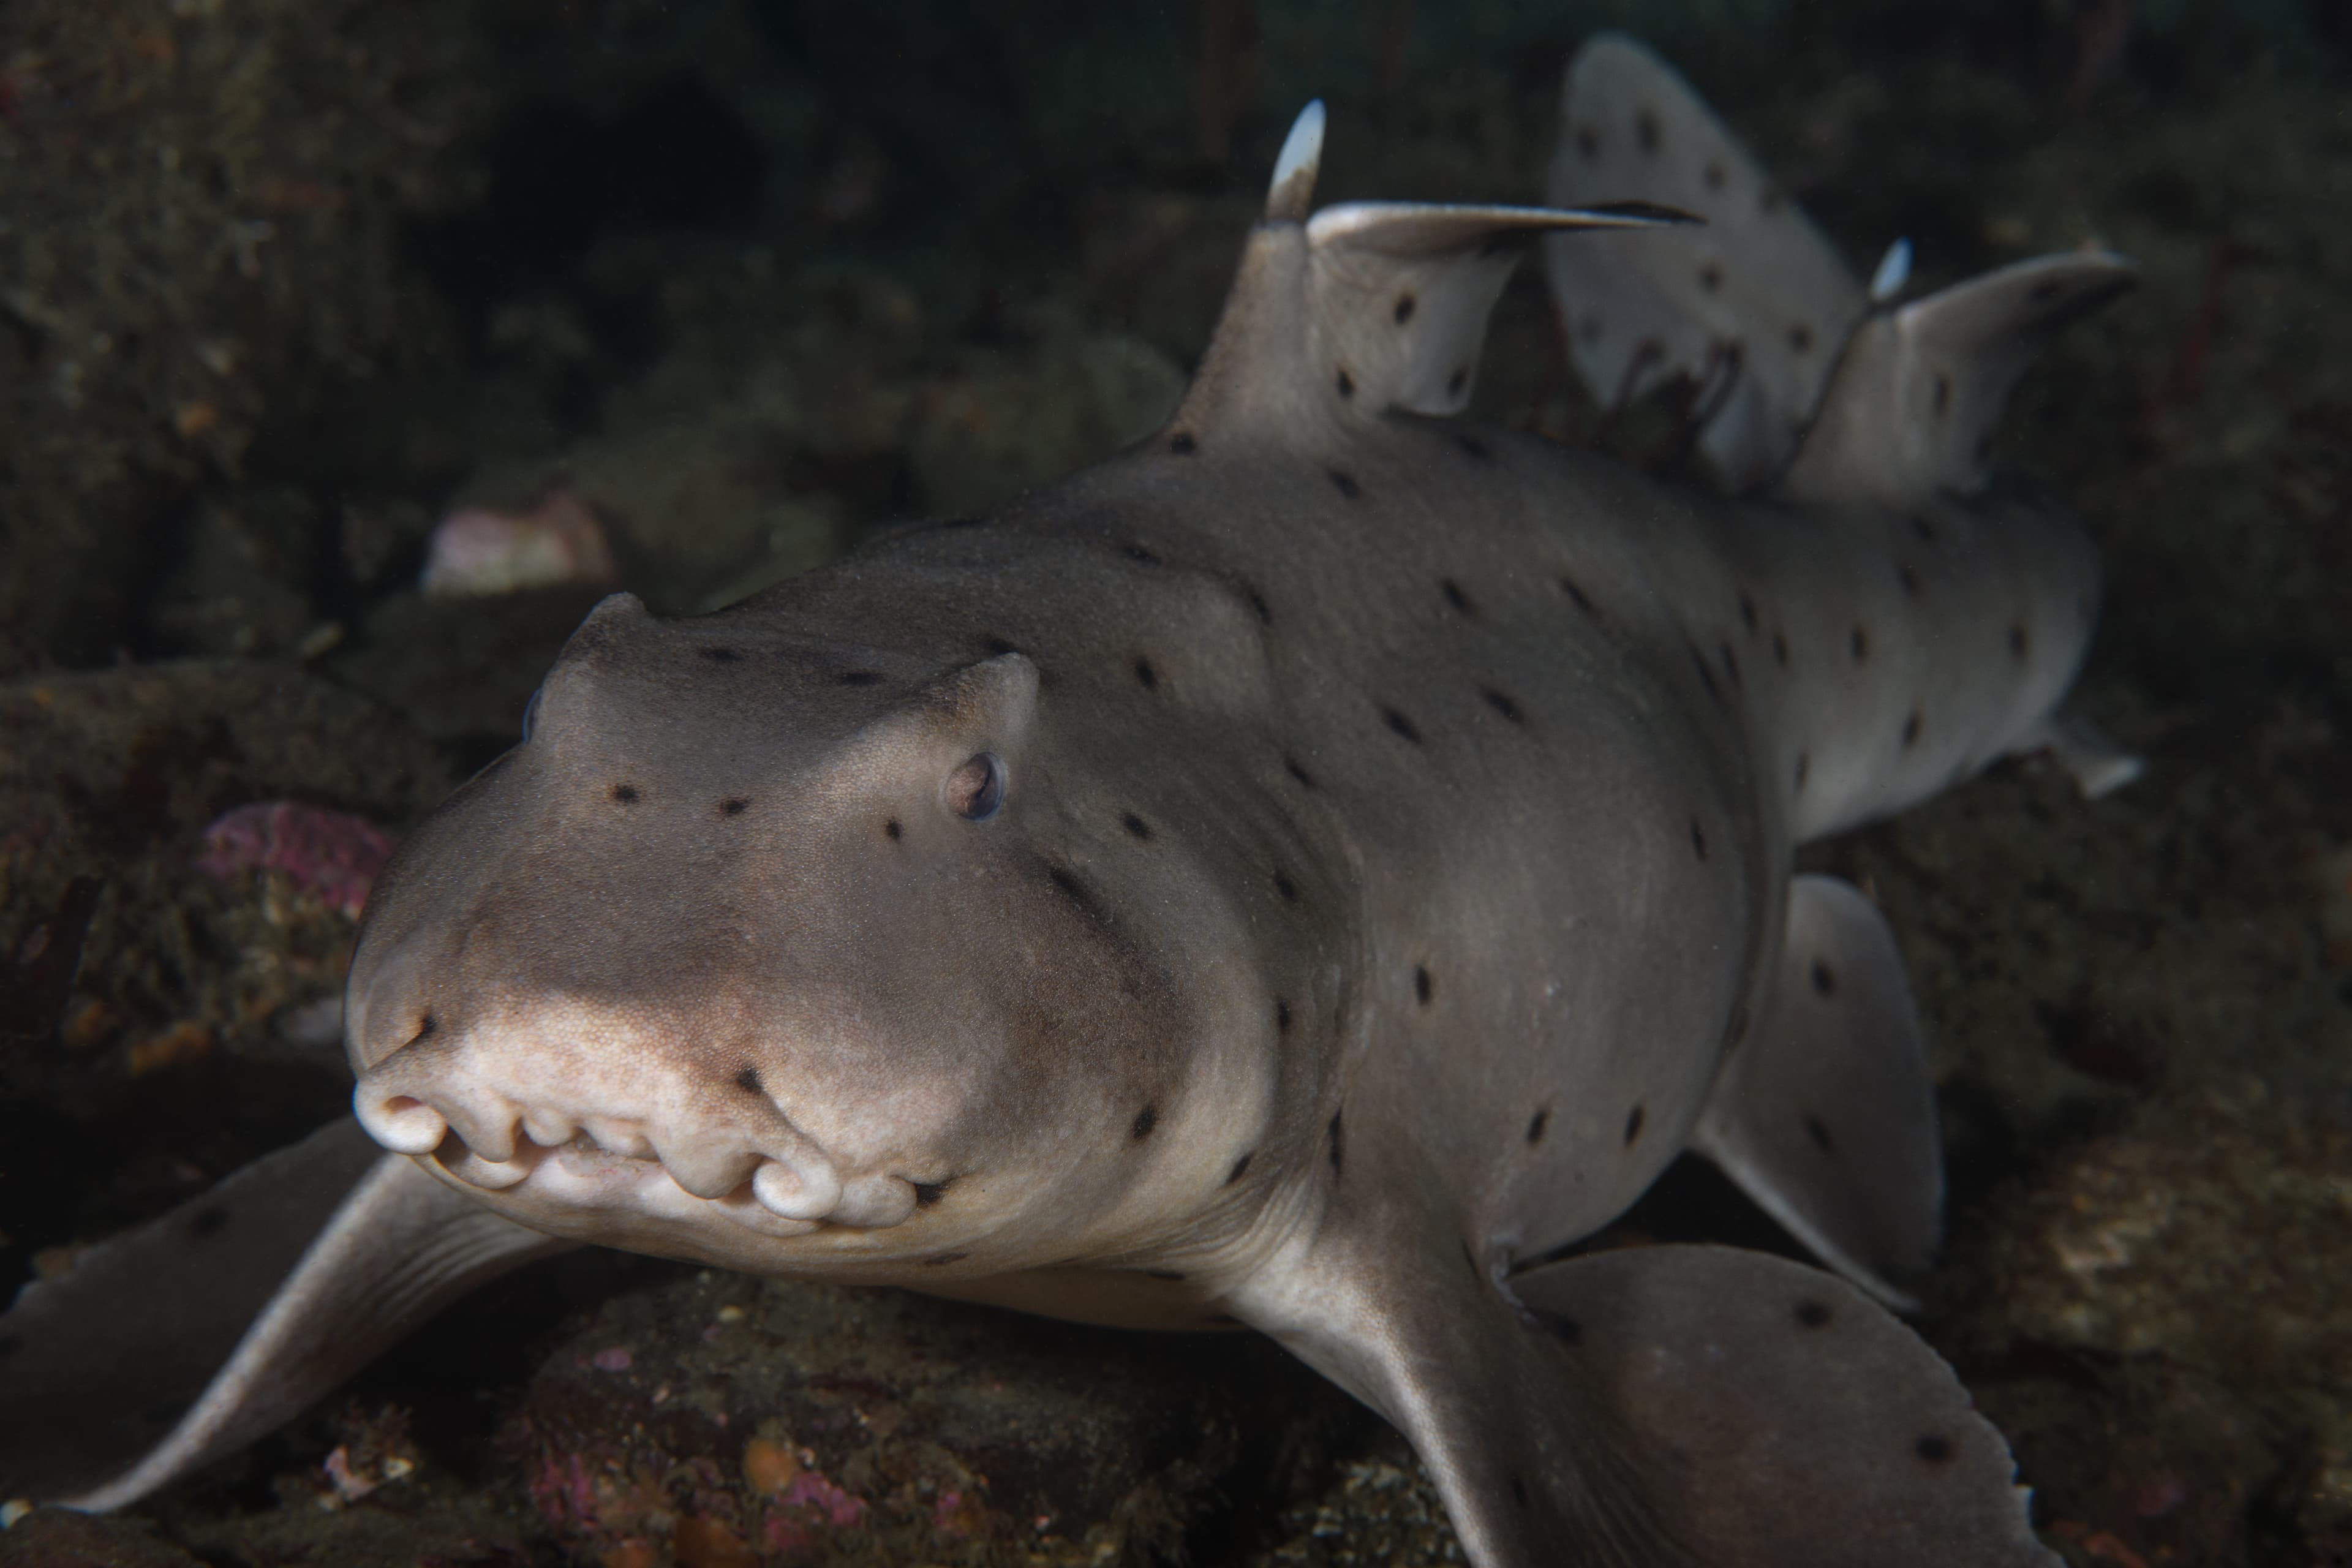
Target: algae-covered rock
x=2162 y=1325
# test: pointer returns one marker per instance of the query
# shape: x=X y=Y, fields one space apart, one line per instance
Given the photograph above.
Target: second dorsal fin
x=1369 y=306
x=1911 y=408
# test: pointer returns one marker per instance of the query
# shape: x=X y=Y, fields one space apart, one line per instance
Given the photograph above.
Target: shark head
x=755 y=956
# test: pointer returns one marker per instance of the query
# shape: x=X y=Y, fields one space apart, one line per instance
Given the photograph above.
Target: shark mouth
x=761 y=1173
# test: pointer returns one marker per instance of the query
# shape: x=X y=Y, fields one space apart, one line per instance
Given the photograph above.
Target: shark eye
x=976 y=789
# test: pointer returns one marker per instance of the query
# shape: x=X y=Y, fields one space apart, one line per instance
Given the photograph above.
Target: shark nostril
x=400 y=1123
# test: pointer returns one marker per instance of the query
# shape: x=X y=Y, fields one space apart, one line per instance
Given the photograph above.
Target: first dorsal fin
x=1369 y=306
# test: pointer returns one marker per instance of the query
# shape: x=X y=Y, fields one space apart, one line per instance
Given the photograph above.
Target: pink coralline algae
x=809 y=1489
x=331 y=856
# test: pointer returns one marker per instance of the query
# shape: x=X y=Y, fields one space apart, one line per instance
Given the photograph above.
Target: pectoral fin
x=1659 y=1408
x=178 y=1343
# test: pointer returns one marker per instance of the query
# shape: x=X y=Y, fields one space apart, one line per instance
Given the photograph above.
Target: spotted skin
x=1308 y=872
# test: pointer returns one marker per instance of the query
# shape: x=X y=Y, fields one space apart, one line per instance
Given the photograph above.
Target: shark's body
x=1308 y=872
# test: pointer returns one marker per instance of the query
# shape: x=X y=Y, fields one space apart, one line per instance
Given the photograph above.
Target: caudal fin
x=1749 y=306
x=1799 y=376
x=178 y=1343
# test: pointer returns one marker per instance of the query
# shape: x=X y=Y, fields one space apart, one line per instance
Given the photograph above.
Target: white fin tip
x=1292 y=185
x=1894 y=272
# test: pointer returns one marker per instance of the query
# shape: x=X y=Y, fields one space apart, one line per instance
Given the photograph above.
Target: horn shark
x=1310 y=871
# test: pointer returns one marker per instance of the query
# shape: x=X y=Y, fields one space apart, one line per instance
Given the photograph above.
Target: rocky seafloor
x=286 y=284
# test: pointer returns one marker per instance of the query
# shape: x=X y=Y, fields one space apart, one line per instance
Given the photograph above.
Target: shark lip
x=580 y=1174
x=586 y=1172
x=747 y=1159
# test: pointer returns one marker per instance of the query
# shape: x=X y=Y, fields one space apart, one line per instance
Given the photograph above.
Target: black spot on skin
x=1241 y=1167
x=937 y=1258
x=1403 y=311
x=1812 y=1314
x=1337 y=1139
x=1934 y=1447
x=1911 y=729
x=1519 y=1491
x=734 y=806
x=1942 y=400
x=1804 y=766
x=1824 y=978
x=1536 y=1125
x=2017 y=643
x=1710 y=277
x=626 y=794
x=1632 y=1125
x=1588 y=141
x=208 y=1220
x=1816 y=1129
x=858 y=678
x=1502 y=704
x=720 y=654
x=1474 y=447
x=1567 y=585
x=1645 y=129
x=748 y=1080
x=1457 y=381
x=1860 y=644
x=1713 y=175
x=1139 y=553
x=1170 y=1274
x=1705 y=676
x=1748 y=614
x=1910 y=581
x=1281 y=1016
x=1145 y=675
x=1781 y=650
x=1800 y=338
x=1698 y=839
x=1076 y=890
x=930 y=1193
x=1401 y=724
x=425 y=1027
x=1345 y=383
x=893 y=829
x=1182 y=443
x=1257 y=604
x=1136 y=825
x=1285 y=887
x=1345 y=482
x=1559 y=1325
x=1730 y=663
x=1306 y=780
x=997 y=646
x=1422 y=987
x=1923 y=528
x=1145 y=1121
x=1455 y=597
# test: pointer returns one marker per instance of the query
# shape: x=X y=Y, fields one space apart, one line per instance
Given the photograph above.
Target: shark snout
x=571 y=1121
